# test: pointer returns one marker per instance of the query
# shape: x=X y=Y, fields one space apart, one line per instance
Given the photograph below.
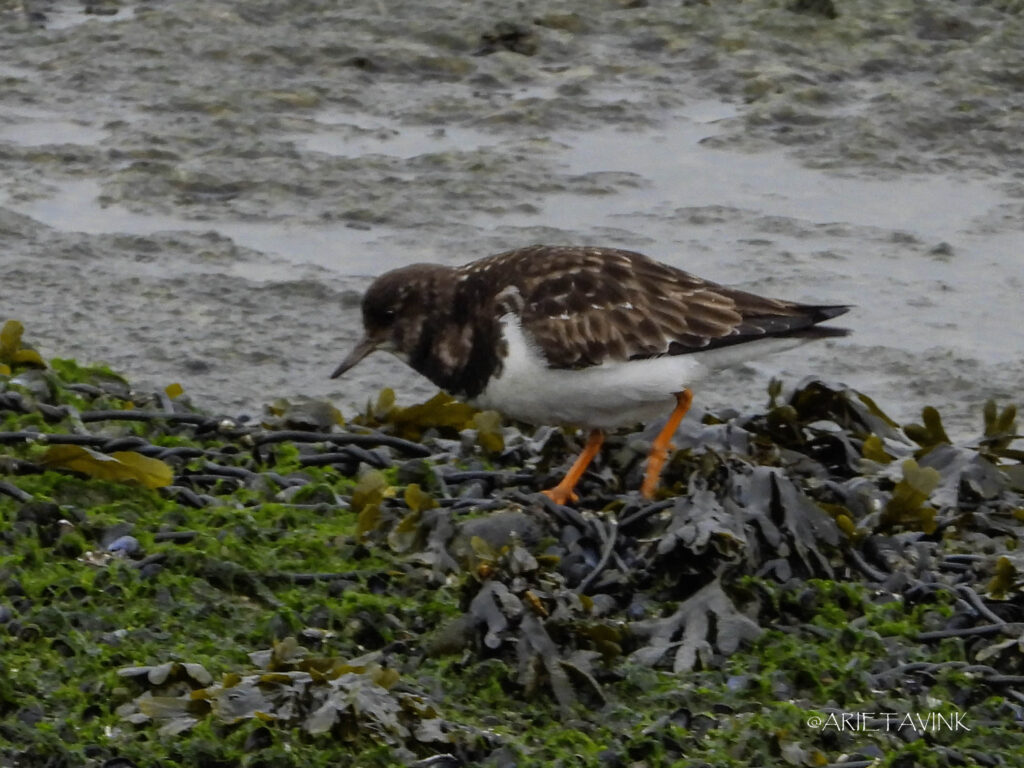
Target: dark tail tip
x=827 y=312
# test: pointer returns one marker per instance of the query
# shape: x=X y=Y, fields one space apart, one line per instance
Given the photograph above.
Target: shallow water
x=197 y=192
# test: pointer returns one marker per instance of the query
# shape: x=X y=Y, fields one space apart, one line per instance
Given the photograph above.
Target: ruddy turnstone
x=591 y=337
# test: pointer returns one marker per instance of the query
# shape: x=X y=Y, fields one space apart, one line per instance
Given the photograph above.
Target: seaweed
x=403 y=580
x=12 y=354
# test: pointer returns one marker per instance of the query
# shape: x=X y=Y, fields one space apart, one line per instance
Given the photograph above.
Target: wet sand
x=198 y=191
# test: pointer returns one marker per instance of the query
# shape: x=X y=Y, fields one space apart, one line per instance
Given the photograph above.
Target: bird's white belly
x=606 y=396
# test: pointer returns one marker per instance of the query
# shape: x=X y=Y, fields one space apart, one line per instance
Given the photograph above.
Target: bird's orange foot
x=561 y=494
x=655 y=463
x=661 y=445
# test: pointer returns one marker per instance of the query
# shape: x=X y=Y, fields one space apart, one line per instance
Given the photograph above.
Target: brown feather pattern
x=581 y=306
x=584 y=306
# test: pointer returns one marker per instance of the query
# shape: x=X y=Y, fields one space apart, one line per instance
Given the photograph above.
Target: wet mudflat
x=198 y=191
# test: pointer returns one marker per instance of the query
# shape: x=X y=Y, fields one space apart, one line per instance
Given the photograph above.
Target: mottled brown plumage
x=591 y=336
x=586 y=306
x=581 y=307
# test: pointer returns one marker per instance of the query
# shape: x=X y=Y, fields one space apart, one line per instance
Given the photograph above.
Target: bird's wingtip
x=829 y=311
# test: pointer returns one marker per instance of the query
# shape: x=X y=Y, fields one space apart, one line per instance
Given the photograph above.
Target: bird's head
x=395 y=309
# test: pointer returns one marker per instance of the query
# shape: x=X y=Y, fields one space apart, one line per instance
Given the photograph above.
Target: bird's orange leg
x=659 y=449
x=563 y=492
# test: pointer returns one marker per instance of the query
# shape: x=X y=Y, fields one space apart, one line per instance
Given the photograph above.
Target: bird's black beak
x=365 y=346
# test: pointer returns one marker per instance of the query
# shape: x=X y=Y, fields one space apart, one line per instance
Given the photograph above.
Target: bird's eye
x=383 y=317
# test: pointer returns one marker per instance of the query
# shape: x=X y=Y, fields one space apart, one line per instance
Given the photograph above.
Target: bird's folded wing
x=586 y=306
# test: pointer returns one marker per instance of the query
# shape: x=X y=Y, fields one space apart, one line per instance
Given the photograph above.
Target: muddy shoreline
x=198 y=192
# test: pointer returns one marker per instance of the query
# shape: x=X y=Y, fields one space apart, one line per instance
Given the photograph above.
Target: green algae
x=345 y=570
